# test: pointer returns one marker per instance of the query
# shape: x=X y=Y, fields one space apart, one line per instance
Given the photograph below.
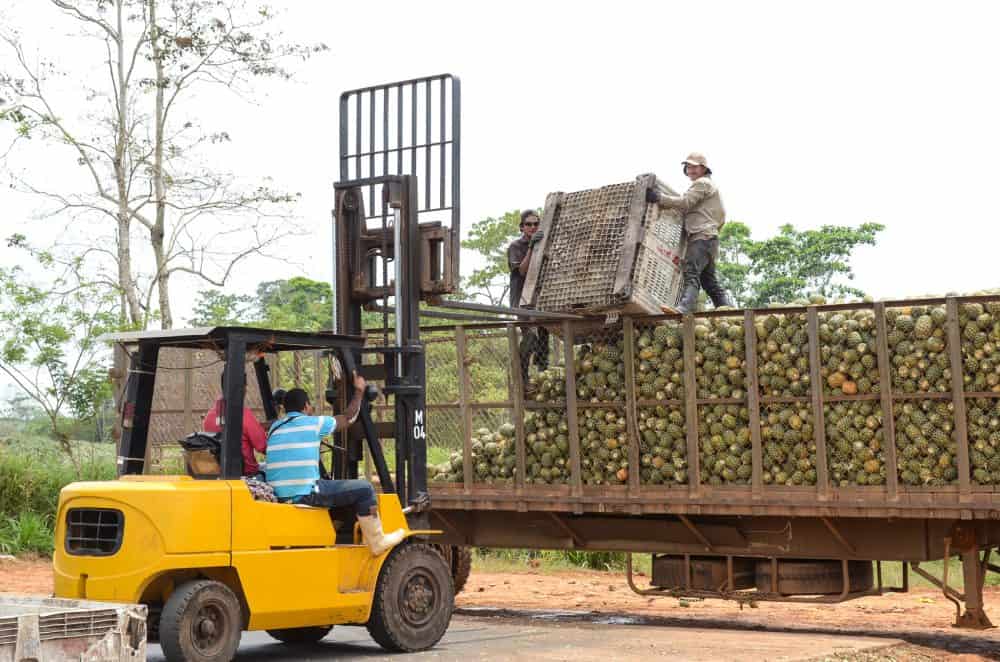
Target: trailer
x=702 y=534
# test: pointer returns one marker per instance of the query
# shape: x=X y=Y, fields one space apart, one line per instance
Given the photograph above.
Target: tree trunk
x=121 y=182
x=159 y=224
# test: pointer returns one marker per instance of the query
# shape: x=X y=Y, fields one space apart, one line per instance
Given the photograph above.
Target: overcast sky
x=809 y=112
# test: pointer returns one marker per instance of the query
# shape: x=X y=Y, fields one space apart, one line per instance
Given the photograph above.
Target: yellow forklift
x=208 y=558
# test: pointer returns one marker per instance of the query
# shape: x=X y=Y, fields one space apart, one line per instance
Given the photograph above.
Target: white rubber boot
x=378 y=542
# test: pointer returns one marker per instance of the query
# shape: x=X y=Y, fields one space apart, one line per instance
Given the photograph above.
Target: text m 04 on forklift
x=207 y=559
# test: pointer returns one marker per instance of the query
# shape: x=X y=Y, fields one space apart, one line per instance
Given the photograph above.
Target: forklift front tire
x=201 y=622
x=413 y=599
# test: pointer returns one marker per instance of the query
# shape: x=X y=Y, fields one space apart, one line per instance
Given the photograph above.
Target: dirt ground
x=922 y=618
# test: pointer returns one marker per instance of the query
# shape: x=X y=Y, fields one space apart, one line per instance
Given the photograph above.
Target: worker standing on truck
x=534 y=340
x=704 y=217
x=293 y=446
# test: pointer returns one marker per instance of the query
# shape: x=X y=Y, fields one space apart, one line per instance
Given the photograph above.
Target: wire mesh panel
x=855 y=443
x=188 y=383
x=925 y=442
x=984 y=441
x=918 y=346
x=720 y=358
x=783 y=355
x=494 y=458
x=658 y=374
x=584 y=248
x=547 y=456
x=849 y=360
x=724 y=443
x=789 y=447
x=980 y=331
x=662 y=445
x=489 y=362
x=441 y=368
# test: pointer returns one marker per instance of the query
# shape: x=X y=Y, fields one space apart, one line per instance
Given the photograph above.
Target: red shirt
x=253 y=435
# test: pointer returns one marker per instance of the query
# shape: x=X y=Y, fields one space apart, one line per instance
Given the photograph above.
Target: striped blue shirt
x=293 y=453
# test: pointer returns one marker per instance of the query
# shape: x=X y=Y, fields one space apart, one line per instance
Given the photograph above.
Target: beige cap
x=696 y=158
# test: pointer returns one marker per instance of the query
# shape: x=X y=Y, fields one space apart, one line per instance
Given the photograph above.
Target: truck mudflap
x=49 y=629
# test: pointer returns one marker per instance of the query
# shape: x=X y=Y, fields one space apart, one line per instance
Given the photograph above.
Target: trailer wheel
x=309 y=635
x=201 y=622
x=461 y=567
x=459 y=559
x=413 y=600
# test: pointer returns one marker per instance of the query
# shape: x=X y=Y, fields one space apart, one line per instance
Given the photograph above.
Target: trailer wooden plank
x=464 y=396
x=691 y=407
x=816 y=386
x=885 y=392
x=753 y=403
x=576 y=474
x=517 y=391
x=631 y=411
x=958 y=398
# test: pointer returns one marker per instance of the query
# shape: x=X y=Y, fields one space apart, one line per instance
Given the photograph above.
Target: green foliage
x=214 y=308
x=49 y=346
x=298 y=304
x=487 y=558
x=794 y=264
x=33 y=470
x=27 y=533
x=489 y=238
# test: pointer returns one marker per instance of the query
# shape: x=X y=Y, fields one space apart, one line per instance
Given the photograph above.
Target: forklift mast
x=396 y=231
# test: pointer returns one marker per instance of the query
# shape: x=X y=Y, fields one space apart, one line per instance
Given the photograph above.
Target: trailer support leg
x=975 y=617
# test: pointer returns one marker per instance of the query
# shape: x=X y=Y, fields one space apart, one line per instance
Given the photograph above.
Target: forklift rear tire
x=201 y=622
x=413 y=600
x=310 y=635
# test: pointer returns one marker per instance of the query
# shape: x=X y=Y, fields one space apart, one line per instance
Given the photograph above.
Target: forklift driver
x=293 y=448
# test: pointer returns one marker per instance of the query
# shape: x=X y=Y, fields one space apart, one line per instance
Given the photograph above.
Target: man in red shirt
x=254 y=438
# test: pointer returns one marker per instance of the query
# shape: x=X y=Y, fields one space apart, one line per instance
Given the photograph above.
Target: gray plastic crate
x=607 y=250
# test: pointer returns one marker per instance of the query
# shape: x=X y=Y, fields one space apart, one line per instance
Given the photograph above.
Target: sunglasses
x=531 y=225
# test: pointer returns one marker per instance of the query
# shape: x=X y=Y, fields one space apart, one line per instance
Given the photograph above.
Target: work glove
x=535 y=238
x=652 y=196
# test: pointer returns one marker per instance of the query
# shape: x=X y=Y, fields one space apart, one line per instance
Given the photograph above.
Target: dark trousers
x=699 y=270
x=534 y=343
x=340 y=493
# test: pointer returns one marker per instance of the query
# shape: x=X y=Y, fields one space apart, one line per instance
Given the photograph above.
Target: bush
x=29 y=532
x=32 y=471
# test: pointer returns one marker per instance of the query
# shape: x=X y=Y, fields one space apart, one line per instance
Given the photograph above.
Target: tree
x=490 y=237
x=140 y=143
x=297 y=304
x=793 y=265
x=50 y=349
x=215 y=308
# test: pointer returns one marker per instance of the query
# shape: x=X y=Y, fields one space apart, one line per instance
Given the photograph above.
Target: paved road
x=471 y=638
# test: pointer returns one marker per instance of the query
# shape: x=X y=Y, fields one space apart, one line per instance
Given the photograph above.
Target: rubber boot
x=378 y=542
x=688 y=300
x=725 y=301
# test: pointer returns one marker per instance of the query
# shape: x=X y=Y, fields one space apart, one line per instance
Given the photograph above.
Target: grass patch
x=33 y=470
x=551 y=561
x=27 y=533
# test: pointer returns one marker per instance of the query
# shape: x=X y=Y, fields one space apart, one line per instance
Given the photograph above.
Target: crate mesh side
x=584 y=248
x=658 y=277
